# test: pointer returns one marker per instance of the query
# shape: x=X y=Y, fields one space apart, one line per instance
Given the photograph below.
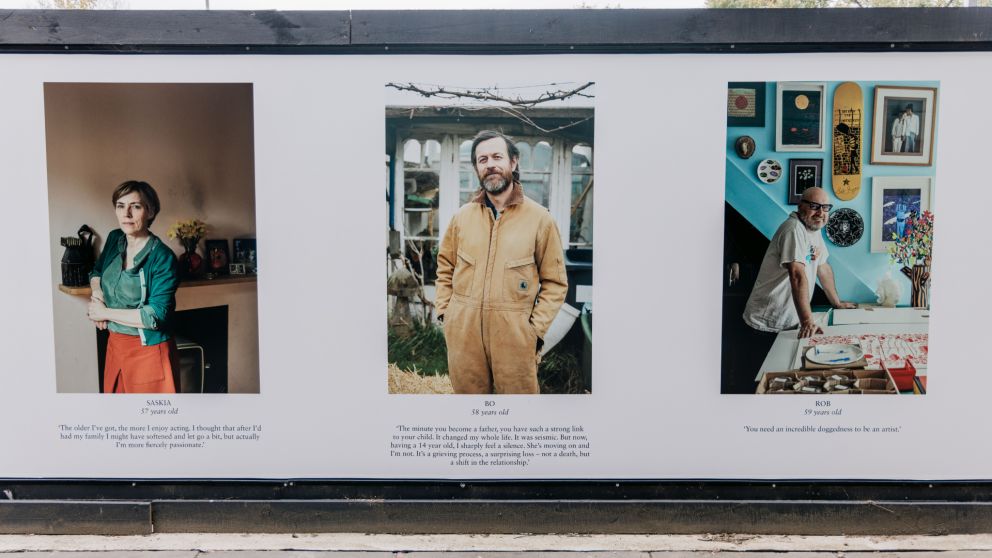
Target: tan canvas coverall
x=500 y=283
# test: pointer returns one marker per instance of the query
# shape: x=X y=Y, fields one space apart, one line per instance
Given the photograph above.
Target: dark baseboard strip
x=577 y=516
x=47 y=517
x=799 y=517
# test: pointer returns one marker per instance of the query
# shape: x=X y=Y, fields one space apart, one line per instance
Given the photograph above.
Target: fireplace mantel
x=222 y=280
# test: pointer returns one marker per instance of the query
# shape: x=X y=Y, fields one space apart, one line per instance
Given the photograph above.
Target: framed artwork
x=245 y=253
x=803 y=173
x=893 y=198
x=903 y=125
x=218 y=256
x=799 y=113
x=746 y=103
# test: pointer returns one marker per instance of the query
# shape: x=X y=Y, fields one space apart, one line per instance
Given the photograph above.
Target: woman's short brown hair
x=145 y=192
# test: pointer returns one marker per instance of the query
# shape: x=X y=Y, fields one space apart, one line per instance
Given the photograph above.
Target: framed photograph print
x=746 y=103
x=903 y=125
x=799 y=110
x=803 y=173
x=245 y=253
x=893 y=198
x=218 y=256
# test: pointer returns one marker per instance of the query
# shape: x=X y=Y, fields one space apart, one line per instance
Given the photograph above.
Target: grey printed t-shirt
x=770 y=306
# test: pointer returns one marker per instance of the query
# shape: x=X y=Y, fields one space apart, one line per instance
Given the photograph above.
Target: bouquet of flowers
x=914 y=247
x=913 y=250
x=189 y=232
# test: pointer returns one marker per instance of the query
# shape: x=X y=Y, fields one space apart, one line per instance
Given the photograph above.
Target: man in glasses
x=795 y=259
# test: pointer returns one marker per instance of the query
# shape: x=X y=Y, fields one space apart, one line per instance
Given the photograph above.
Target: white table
x=879 y=315
x=784 y=354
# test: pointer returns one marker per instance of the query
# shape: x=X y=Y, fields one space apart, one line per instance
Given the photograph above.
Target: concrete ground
x=347 y=545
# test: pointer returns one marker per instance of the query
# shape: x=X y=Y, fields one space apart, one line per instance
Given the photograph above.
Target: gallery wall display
x=356 y=223
x=783 y=335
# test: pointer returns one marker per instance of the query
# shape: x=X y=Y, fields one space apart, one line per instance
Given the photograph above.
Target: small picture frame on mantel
x=245 y=253
x=218 y=256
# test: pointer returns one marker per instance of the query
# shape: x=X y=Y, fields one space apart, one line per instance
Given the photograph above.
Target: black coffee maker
x=77 y=261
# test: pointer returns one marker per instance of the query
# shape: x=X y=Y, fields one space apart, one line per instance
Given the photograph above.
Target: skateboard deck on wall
x=848 y=140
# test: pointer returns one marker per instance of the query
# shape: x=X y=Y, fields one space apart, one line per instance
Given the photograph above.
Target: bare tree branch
x=527 y=120
x=442 y=92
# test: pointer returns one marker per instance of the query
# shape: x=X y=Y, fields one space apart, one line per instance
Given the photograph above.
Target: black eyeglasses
x=818 y=206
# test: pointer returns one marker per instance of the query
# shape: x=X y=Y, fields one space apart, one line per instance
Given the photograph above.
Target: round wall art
x=845 y=227
x=769 y=171
x=744 y=147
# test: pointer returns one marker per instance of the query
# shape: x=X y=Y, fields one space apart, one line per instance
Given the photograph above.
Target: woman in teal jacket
x=134 y=285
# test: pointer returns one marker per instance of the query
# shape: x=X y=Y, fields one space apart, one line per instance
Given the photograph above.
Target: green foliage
x=560 y=371
x=81 y=4
x=844 y=3
x=423 y=352
x=769 y=3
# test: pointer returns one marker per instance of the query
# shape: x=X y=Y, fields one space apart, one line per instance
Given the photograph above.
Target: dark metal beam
x=171 y=489
x=497 y=31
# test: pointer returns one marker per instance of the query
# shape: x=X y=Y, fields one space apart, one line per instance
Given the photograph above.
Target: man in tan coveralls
x=500 y=278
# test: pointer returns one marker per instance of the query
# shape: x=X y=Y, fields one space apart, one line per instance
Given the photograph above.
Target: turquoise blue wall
x=857 y=269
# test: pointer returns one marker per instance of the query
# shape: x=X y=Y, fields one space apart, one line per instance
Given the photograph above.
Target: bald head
x=815 y=195
x=814 y=219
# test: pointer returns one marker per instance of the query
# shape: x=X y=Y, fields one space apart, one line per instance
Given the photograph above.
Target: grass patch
x=560 y=370
x=423 y=352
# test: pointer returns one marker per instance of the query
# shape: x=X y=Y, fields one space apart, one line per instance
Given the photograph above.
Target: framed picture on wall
x=799 y=120
x=746 y=103
x=803 y=173
x=903 y=125
x=893 y=199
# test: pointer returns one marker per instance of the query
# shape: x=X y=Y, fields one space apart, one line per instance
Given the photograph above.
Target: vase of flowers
x=913 y=250
x=189 y=233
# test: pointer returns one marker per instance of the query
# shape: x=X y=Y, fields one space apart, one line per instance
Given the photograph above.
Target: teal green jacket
x=149 y=286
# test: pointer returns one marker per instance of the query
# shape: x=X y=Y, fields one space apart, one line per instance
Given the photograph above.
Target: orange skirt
x=134 y=368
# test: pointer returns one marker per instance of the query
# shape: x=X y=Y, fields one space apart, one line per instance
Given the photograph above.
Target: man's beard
x=495 y=183
x=810 y=225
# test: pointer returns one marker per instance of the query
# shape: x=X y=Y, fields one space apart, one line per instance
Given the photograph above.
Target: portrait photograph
x=903 y=125
x=810 y=305
x=146 y=182
x=490 y=245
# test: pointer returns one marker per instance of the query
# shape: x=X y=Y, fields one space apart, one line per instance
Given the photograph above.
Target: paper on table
x=880 y=315
x=893 y=348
